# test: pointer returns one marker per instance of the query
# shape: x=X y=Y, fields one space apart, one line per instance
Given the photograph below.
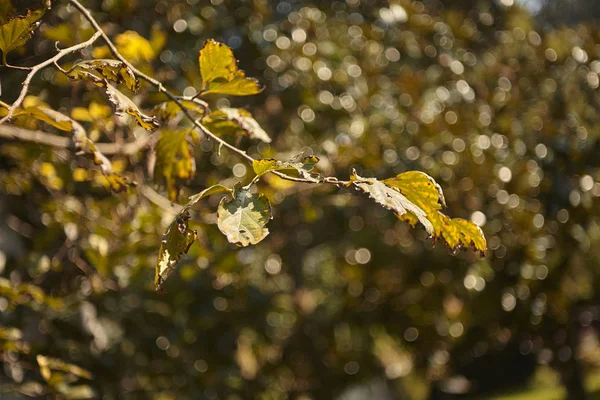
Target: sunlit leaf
x=391 y=199
x=243 y=219
x=219 y=72
x=17 y=31
x=229 y=120
x=134 y=47
x=174 y=159
x=112 y=70
x=49 y=364
x=168 y=110
x=175 y=243
x=415 y=196
x=303 y=167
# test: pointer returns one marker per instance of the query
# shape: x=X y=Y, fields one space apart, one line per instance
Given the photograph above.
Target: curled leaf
x=304 y=167
x=233 y=120
x=112 y=70
x=415 y=196
x=122 y=103
x=243 y=219
x=220 y=74
x=175 y=243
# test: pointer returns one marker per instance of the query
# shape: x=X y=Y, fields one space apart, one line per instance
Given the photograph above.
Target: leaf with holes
x=175 y=243
x=243 y=219
x=112 y=70
x=303 y=167
x=234 y=120
x=174 y=159
x=415 y=197
x=124 y=104
x=17 y=31
x=220 y=74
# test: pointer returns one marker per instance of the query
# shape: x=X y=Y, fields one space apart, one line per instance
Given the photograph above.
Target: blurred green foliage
x=502 y=113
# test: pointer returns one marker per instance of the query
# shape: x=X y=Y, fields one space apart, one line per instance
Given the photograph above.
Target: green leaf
x=112 y=70
x=234 y=120
x=304 y=167
x=220 y=74
x=18 y=31
x=174 y=159
x=243 y=219
x=175 y=243
x=415 y=196
x=168 y=110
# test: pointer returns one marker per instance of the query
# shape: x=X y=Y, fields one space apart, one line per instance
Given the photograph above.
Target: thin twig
x=48 y=139
x=17 y=67
x=177 y=99
x=42 y=65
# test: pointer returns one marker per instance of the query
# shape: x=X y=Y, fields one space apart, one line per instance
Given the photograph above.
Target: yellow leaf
x=415 y=196
x=174 y=159
x=18 y=31
x=134 y=47
x=220 y=74
x=303 y=167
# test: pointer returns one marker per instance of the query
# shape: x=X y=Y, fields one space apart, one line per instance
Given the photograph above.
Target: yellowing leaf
x=219 y=72
x=178 y=238
x=174 y=159
x=18 y=31
x=415 y=196
x=216 y=62
x=6 y=11
x=243 y=219
x=176 y=242
x=303 y=167
x=232 y=120
x=124 y=104
x=134 y=47
x=112 y=70
x=238 y=86
x=390 y=198
x=49 y=364
x=169 y=109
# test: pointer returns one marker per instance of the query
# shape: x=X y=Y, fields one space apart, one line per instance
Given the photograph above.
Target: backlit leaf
x=207 y=192
x=112 y=70
x=219 y=72
x=415 y=196
x=303 y=167
x=18 y=31
x=134 y=47
x=216 y=62
x=174 y=159
x=243 y=219
x=168 y=110
x=233 y=120
x=175 y=243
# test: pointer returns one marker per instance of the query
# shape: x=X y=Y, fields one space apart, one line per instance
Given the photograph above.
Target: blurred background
x=496 y=99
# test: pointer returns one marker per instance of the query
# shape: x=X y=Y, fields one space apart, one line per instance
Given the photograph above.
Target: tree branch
x=177 y=99
x=42 y=65
x=48 y=139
